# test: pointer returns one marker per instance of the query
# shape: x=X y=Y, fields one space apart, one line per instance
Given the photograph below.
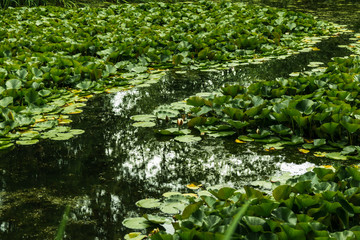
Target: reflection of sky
x=296 y=169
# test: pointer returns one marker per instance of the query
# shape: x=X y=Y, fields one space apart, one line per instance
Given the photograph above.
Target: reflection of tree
x=107 y=169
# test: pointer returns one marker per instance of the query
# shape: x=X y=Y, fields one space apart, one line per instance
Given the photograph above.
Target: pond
x=103 y=172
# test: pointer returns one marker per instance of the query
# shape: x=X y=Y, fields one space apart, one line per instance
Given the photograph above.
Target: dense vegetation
x=286 y=111
x=47 y=51
x=321 y=204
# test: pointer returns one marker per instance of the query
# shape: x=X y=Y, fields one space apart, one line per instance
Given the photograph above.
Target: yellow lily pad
x=319 y=154
x=239 y=141
x=193 y=186
x=303 y=150
x=190 y=195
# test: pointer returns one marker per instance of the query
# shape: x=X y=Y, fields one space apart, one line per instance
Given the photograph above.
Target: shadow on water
x=104 y=171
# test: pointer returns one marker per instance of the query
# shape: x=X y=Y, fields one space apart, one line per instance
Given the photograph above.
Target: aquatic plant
x=321 y=108
x=47 y=52
x=321 y=204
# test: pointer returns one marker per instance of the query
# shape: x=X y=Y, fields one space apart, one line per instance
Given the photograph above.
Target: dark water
x=103 y=172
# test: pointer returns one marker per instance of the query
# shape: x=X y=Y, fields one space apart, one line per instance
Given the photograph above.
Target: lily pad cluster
x=319 y=110
x=47 y=51
x=321 y=204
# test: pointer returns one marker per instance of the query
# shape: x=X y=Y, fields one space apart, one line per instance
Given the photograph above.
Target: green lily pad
x=6 y=146
x=187 y=138
x=136 y=223
x=143 y=118
x=76 y=131
x=245 y=138
x=148 y=203
x=222 y=134
x=62 y=136
x=27 y=142
x=144 y=124
x=335 y=156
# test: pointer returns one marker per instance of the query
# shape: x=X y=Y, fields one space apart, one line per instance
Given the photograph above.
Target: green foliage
x=47 y=51
x=322 y=203
x=323 y=107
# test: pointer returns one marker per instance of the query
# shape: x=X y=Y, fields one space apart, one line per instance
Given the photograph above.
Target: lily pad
x=135 y=236
x=335 y=156
x=136 y=223
x=143 y=118
x=27 y=142
x=144 y=124
x=187 y=138
x=149 y=203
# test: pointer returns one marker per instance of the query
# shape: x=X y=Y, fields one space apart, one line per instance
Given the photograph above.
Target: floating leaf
x=144 y=124
x=27 y=142
x=303 y=150
x=187 y=138
x=193 y=186
x=335 y=156
x=239 y=141
x=135 y=236
x=245 y=138
x=136 y=223
x=149 y=203
x=143 y=118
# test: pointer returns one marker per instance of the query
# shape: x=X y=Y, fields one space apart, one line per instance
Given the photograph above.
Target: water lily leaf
x=136 y=223
x=173 y=131
x=156 y=219
x=32 y=97
x=303 y=150
x=320 y=154
x=349 y=150
x=85 y=85
x=254 y=223
x=143 y=118
x=238 y=124
x=173 y=206
x=245 y=138
x=329 y=128
x=319 y=142
x=195 y=101
x=271 y=139
x=76 y=131
x=149 y=203
x=286 y=215
x=282 y=192
x=335 y=156
x=168 y=194
x=61 y=136
x=239 y=141
x=281 y=129
x=187 y=138
x=13 y=84
x=144 y=124
x=6 y=101
x=222 y=134
x=135 y=236
x=30 y=134
x=196 y=121
x=27 y=142
x=193 y=186
x=6 y=146
x=139 y=69
x=273 y=146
